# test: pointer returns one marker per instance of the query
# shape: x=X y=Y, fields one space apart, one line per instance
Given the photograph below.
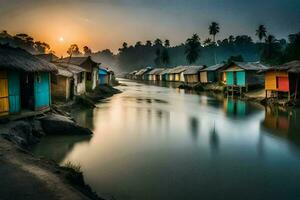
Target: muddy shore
x=25 y=176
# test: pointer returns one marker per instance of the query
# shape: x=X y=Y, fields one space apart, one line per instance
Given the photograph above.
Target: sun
x=61 y=39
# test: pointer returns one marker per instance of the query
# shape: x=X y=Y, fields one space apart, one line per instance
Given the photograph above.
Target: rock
x=37 y=129
x=21 y=133
x=57 y=124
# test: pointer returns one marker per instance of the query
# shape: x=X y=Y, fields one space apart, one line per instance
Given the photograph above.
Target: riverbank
x=24 y=176
x=254 y=95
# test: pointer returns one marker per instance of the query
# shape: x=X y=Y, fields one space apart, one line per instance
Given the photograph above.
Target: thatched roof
x=291 y=67
x=64 y=72
x=193 y=69
x=143 y=71
x=76 y=60
x=50 y=57
x=249 y=66
x=166 y=71
x=133 y=72
x=71 y=68
x=18 y=59
x=215 y=67
x=156 y=71
x=177 y=70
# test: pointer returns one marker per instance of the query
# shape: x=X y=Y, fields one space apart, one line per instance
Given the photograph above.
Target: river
x=163 y=143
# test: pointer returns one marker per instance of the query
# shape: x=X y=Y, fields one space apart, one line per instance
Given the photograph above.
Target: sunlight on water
x=154 y=142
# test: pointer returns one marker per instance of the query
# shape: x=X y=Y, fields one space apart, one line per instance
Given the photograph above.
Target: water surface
x=163 y=143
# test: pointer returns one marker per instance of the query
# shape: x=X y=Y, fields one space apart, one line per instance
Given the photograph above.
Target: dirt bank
x=24 y=176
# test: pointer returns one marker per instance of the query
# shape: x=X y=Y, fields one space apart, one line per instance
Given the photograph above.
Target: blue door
x=241 y=78
x=14 y=92
x=230 y=79
x=41 y=90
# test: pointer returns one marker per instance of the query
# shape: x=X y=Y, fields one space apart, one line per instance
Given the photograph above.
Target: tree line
x=193 y=51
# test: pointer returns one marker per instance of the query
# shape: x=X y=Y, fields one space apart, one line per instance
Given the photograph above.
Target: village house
x=176 y=74
x=213 y=74
x=104 y=76
x=69 y=82
x=191 y=74
x=283 y=79
x=91 y=67
x=142 y=74
x=164 y=75
x=131 y=75
x=242 y=75
x=154 y=75
x=24 y=81
x=50 y=57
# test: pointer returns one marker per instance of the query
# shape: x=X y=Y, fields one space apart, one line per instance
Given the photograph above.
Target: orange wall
x=270 y=79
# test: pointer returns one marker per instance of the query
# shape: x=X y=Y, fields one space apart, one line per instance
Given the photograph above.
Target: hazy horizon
x=102 y=24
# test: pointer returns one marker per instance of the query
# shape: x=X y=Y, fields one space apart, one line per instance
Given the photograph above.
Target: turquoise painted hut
x=243 y=75
x=164 y=75
x=24 y=81
x=103 y=76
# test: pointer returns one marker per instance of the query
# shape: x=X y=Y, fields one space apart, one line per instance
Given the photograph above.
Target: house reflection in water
x=235 y=107
x=283 y=123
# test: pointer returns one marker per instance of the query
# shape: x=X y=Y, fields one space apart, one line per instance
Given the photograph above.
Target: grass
x=74 y=166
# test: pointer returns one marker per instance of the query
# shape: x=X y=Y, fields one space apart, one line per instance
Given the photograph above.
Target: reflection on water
x=154 y=142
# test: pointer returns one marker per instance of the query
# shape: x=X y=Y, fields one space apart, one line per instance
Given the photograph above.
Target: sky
x=102 y=24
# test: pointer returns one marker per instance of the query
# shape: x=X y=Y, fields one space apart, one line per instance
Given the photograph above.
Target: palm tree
x=214 y=29
x=271 y=52
x=158 y=42
x=167 y=43
x=157 y=59
x=261 y=32
x=192 y=50
x=207 y=42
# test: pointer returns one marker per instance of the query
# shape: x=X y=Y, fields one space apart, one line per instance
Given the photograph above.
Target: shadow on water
x=214 y=139
x=58 y=147
x=194 y=127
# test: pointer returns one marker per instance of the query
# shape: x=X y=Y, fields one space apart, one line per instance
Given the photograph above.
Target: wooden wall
x=271 y=80
x=4 y=103
x=59 y=89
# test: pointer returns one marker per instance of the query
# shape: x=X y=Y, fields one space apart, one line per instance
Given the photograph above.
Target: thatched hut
x=24 y=81
x=154 y=75
x=283 y=79
x=191 y=74
x=176 y=73
x=87 y=63
x=213 y=74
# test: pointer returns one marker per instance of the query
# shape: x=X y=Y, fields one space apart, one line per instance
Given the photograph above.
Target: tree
x=138 y=44
x=148 y=43
x=192 y=50
x=165 y=58
x=73 y=50
x=87 y=51
x=237 y=58
x=207 y=42
x=271 y=52
x=158 y=42
x=292 y=51
x=41 y=47
x=157 y=59
x=214 y=29
x=231 y=39
x=261 y=32
x=167 y=43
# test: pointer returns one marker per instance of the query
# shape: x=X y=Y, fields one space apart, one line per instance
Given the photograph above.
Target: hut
x=24 y=81
x=241 y=75
x=91 y=67
x=176 y=74
x=154 y=75
x=191 y=75
x=283 y=79
x=68 y=82
x=104 y=76
x=50 y=57
x=142 y=74
x=213 y=74
x=131 y=75
x=164 y=75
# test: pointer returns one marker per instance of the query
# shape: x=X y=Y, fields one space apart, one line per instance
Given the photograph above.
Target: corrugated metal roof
x=143 y=71
x=72 y=68
x=192 y=69
x=156 y=71
x=291 y=67
x=178 y=70
x=64 y=72
x=166 y=71
x=214 y=67
x=19 y=59
x=249 y=66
